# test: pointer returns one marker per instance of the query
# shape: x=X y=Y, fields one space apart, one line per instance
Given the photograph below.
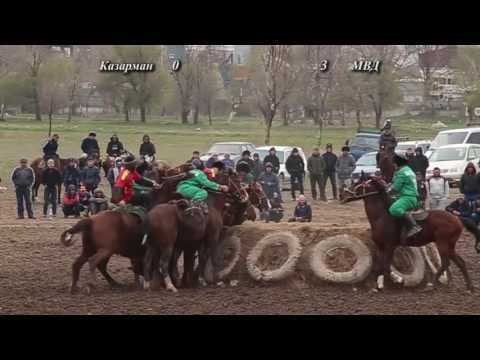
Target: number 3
x=323 y=65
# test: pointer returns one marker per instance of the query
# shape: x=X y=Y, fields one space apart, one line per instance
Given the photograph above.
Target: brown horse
x=440 y=227
x=38 y=165
x=385 y=164
x=114 y=232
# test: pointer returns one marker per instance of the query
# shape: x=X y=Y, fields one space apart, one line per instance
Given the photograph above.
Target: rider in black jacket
x=114 y=147
x=147 y=148
x=90 y=145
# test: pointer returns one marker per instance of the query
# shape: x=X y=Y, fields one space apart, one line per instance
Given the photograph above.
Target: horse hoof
x=172 y=289
x=146 y=286
x=74 y=290
x=429 y=287
x=88 y=290
x=221 y=284
x=202 y=282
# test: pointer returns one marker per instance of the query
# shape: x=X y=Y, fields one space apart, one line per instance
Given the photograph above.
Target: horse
x=440 y=227
x=114 y=232
x=385 y=164
x=38 y=165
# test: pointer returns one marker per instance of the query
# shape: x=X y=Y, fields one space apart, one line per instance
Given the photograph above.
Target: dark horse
x=38 y=165
x=440 y=227
x=114 y=232
x=386 y=165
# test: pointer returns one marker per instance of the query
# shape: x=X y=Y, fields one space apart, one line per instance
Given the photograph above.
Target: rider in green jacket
x=405 y=185
x=194 y=187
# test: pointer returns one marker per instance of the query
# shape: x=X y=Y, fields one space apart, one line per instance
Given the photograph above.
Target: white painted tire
x=235 y=244
x=361 y=268
x=432 y=257
x=417 y=262
x=286 y=269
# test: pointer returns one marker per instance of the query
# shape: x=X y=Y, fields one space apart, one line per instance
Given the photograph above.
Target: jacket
x=257 y=168
x=113 y=174
x=90 y=176
x=114 y=148
x=71 y=175
x=23 y=177
x=273 y=159
x=270 y=184
x=295 y=165
x=71 y=200
x=125 y=181
x=464 y=209
x=147 y=149
x=469 y=184
x=405 y=182
x=304 y=212
x=51 y=177
x=388 y=140
x=330 y=162
x=248 y=161
x=229 y=163
x=316 y=165
x=438 y=187
x=345 y=166
x=50 y=148
x=419 y=163
x=199 y=180
x=90 y=146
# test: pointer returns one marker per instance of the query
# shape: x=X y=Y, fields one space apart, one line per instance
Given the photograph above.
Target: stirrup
x=413 y=231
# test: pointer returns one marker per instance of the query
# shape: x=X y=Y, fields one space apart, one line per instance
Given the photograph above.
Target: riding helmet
x=400 y=159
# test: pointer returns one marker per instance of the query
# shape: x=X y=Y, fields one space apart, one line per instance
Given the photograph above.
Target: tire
x=417 y=262
x=232 y=242
x=286 y=269
x=361 y=268
x=432 y=258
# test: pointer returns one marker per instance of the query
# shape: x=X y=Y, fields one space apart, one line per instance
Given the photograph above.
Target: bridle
x=363 y=186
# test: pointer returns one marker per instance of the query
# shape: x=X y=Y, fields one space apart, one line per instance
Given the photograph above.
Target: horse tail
x=83 y=226
x=472 y=229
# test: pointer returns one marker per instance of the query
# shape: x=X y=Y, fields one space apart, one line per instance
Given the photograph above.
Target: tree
x=467 y=69
x=273 y=77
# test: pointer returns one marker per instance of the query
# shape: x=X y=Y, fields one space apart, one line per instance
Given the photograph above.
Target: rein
x=355 y=196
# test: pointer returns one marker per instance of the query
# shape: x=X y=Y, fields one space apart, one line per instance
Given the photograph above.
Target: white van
x=456 y=137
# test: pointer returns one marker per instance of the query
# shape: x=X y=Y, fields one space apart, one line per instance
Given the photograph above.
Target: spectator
x=316 y=167
x=275 y=213
x=419 y=163
x=438 y=190
x=460 y=208
x=147 y=148
x=244 y=173
x=296 y=168
x=82 y=162
x=272 y=158
x=98 y=202
x=422 y=189
x=90 y=145
x=211 y=160
x=476 y=212
x=71 y=175
x=245 y=159
x=85 y=196
x=51 y=178
x=229 y=163
x=114 y=147
x=196 y=156
x=257 y=166
x=113 y=172
x=2 y=188
x=303 y=211
x=380 y=150
x=270 y=183
x=387 y=137
x=71 y=202
x=330 y=170
x=23 y=178
x=469 y=184
x=410 y=155
x=50 y=148
x=345 y=166
x=90 y=176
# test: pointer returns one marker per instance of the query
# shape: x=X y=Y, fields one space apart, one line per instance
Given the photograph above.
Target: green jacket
x=199 y=179
x=405 y=182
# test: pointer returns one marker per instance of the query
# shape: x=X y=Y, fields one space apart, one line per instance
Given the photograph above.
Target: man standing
x=345 y=166
x=147 y=148
x=316 y=167
x=245 y=159
x=51 y=178
x=272 y=158
x=257 y=166
x=90 y=176
x=50 y=148
x=387 y=137
x=90 y=145
x=23 y=178
x=438 y=190
x=330 y=170
x=296 y=168
x=419 y=163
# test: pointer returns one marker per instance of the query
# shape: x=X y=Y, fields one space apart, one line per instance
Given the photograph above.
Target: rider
x=380 y=150
x=405 y=184
x=90 y=145
x=387 y=137
x=194 y=187
x=147 y=148
x=50 y=148
x=114 y=147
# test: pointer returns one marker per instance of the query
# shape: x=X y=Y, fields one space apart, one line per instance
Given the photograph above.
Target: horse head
x=236 y=190
x=258 y=198
x=364 y=187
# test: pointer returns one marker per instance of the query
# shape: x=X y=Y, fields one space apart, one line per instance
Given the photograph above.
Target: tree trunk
x=209 y=111
x=359 y=122
x=196 y=112
x=36 y=103
x=50 y=110
x=185 y=113
x=268 y=128
x=343 y=115
x=126 y=112
x=378 y=116
x=470 y=115
x=285 y=115
x=2 y=112
x=330 y=118
x=143 y=113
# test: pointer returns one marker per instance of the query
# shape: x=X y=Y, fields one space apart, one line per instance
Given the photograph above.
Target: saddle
x=138 y=211
x=420 y=214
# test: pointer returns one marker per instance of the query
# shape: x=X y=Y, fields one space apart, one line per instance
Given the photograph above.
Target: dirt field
x=35 y=276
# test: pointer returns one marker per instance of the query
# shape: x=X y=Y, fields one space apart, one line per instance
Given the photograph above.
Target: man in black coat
x=272 y=158
x=90 y=145
x=330 y=170
x=419 y=163
x=114 y=147
x=296 y=168
x=50 y=148
x=23 y=178
x=245 y=159
x=147 y=148
x=51 y=178
x=71 y=175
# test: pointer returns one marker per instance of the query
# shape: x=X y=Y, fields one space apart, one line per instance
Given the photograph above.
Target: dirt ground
x=35 y=272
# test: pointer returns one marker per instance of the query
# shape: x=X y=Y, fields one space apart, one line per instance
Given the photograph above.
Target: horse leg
x=76 y=266
x=174 y=266
x=148 y=266
x=445 y=263
x=164 y=263
x=137 y=267
x=188 y=267
x=203 y=254
x=59 y=199
x=102 y=267
x=94 y=261
x=461 y=265
x=382 y=271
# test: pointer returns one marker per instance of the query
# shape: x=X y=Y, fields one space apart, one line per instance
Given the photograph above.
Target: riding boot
x=199 y=204
x=412 y=226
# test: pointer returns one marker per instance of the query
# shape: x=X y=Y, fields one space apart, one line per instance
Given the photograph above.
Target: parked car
x=283 y=152
x=453 y=159
x=403 y=146
x=456 y=136
x=365 y=141
x=235 y=150
x=367 y=163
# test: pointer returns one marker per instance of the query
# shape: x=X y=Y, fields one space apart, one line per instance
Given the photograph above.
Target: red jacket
x=67 y=200
x=125 y=181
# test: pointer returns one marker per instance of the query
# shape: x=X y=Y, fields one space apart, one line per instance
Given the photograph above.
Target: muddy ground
x=35 y=276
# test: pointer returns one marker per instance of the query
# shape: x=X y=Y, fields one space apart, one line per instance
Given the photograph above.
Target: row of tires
x=318 y=260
